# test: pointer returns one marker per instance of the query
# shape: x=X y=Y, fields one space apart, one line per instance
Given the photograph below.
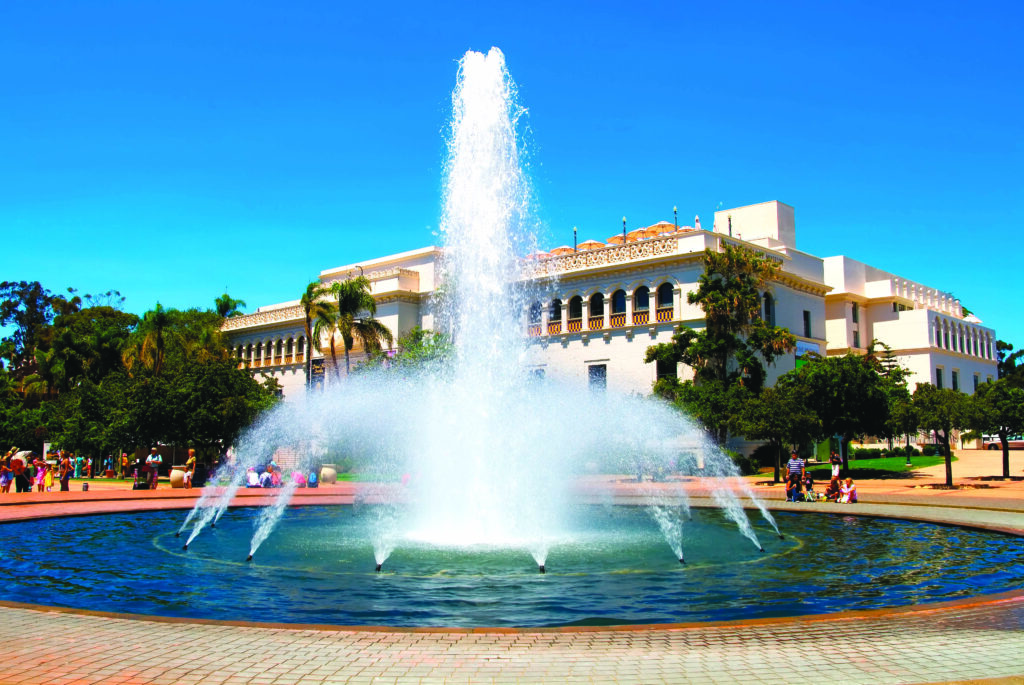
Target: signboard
x=316 y=373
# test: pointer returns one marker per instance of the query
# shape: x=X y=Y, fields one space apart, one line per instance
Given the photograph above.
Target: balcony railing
x=554 y=327
x=618 y=320
x=533 y=330
x=574 y=325
x=595 y=323
x=664 y=314
x=641 y=317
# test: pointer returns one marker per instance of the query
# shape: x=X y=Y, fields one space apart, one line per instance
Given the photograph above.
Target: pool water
x=610 y=565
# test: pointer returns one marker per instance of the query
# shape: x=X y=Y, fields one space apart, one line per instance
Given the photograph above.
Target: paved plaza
x=969 y=640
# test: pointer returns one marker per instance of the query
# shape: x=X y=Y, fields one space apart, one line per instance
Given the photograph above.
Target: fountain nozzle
x=378 y=567
x=213 y=525
x=249 y=558
x=185 y=547
x=178 y=534
x=761 y=548
x=681 y=560
x=781 y=536
x=542 y=569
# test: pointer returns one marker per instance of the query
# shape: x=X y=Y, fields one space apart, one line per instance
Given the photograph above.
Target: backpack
x=312 y=480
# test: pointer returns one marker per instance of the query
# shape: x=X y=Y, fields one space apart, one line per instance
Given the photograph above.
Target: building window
x=642 y=299
x=619 y=302
x=976 y=381
x=576 y=307
x=856 y=339
x=280 y=348
x=535 y=310
x=597 y=376
x=807 y=324
x=945 y=337
x=956 y=380
x=664 y=295
x=856 y=316
x=667 y=369
x=290 y=346
x=938 y=377
x=769 y=309
x=596 y=305
x=556 y=310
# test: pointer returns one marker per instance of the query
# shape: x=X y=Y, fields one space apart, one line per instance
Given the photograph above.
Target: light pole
x=573 y=238
x=675 y=216
x=623 y=230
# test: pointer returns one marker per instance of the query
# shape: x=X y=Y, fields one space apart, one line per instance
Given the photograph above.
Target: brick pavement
x=963 y=641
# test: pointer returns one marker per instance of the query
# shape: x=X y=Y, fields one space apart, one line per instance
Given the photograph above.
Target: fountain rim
x=898 y=511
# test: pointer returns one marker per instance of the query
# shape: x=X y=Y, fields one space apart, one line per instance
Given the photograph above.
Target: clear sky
x=176 y=150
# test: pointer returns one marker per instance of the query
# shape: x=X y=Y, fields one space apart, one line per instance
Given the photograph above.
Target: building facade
x=599 y=305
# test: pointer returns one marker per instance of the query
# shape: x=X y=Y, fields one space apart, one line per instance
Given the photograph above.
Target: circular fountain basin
x=607 y=565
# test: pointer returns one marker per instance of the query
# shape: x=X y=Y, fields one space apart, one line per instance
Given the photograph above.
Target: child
x=848 y=492
x=832 y=491
x=6 y=476
x=48 y=478
x=809 y=495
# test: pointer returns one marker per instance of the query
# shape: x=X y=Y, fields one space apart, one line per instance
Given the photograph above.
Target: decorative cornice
x=378 y=275
x=292 y=313
x=617 y=254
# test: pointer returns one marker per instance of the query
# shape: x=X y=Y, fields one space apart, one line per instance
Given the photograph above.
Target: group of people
x=272 y=477
x=800 y=485
x=23 y=471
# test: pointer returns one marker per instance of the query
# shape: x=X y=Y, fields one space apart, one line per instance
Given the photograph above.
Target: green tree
x=781 y=415
x=734 y=346
x=316 y=307
x=942 y=410
x=847 y=394
x=998 y=407
x=418 y=349
x=354 y=298
x=1008 y=362
x=28 y=308
x=227 y=306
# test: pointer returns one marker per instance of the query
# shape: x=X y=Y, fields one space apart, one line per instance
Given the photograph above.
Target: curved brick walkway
x=967 y=640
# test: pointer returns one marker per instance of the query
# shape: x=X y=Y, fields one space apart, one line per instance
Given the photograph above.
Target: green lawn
x=889 y=467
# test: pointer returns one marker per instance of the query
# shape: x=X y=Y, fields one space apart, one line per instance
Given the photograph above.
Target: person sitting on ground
x=848 y=492
x=832 y=491
x=252 y=479
x=808 y=483
x=275 y=477
x=313 y=480
x=793 y=487
x=267 y=477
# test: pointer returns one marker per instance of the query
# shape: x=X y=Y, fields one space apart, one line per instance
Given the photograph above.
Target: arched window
x=664 y=295
x=240 y=351
x=769 y=309
x=280 y=348
x=596 y=305
x=535 y=310
x=938 y=333
x=290 y=347
x=556 y=310
x=576 y=307
x=642 y=299
x=619 y=302
x=575 y=322
x=302 y=345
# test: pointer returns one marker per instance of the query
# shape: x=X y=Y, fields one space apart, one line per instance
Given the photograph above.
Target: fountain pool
x=609 y=565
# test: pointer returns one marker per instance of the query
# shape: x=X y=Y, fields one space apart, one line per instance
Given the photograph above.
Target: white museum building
x=601 y=304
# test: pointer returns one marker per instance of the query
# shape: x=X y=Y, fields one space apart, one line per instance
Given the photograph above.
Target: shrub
x=764 y=455
x=866 y=453
x=930 y=450
x=745 y=464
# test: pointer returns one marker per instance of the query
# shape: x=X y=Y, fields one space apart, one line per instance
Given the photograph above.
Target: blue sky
x=175 y=150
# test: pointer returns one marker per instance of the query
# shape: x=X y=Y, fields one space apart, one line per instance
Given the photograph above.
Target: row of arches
x=600 y=311
x=274 y=352
x=956 y=337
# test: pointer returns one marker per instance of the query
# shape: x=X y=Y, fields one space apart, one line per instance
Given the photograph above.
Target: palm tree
x=152 y=347
x=228 y=306
x=354 y=297
x=316 y=308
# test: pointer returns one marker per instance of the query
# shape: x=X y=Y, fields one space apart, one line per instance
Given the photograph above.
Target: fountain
x=490 y=452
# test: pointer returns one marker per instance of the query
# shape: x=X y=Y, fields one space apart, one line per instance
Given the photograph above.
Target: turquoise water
x=609 y=566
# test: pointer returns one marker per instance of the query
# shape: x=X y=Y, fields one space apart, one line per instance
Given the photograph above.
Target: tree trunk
x=778 y=462
x=845 y=453
x=1006 y=458
x=949 y=460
